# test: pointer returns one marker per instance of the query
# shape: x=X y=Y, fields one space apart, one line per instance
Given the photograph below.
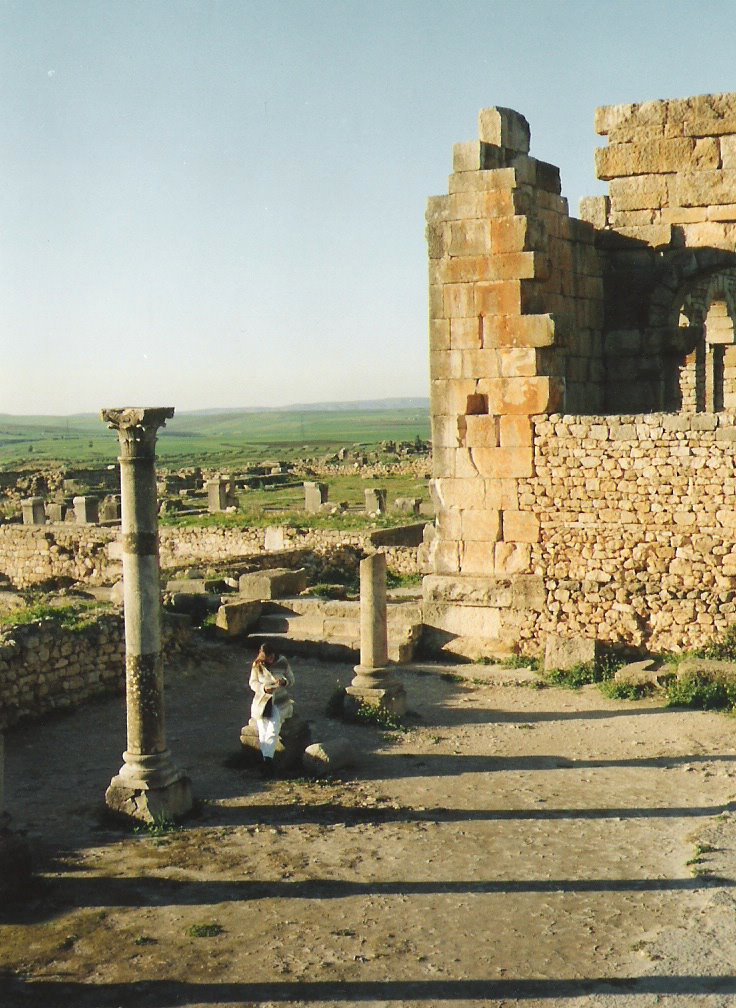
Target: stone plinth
x=149 y=786
x=315 y=495
x=294 y=738
x=86 y=510
x=33 y=511
x=375 y=500
x=55 y=512
x=216 y=495
x=269 y=584
x=374 y=683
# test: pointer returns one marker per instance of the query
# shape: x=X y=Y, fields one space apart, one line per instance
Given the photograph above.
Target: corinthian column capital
x=137 y=427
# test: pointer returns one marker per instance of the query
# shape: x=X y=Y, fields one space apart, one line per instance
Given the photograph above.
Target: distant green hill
x=215 y=438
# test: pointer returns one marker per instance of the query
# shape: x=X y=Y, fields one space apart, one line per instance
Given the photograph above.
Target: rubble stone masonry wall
x=45 y=668
x=637 y=528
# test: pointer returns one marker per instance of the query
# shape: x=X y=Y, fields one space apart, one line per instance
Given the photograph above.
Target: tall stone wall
x=534 y=314
x=637 y=523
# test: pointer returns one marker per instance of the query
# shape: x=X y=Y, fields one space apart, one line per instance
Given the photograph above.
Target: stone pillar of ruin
x=86 y=510
x=149 y=785
x=33 y=511
x=315 y=495
x=374 y=683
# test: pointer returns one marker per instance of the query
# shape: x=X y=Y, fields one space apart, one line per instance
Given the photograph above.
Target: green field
x=218 y=439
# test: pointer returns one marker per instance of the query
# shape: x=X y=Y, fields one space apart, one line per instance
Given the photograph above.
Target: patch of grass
x=521 y=661
x=452 y=677
x=209 y=930
x=159 y=827
x=700 y=693
x=626 y=691
x=145 y=940
x=586 y=673
x=394 y=580
x=722 y=648
x=374 y=714
x=72 y=618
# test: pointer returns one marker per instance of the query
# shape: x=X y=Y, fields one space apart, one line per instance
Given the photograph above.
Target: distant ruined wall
x=31 y=555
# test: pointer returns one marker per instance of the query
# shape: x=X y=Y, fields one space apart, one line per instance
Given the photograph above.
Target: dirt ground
x=516 y=846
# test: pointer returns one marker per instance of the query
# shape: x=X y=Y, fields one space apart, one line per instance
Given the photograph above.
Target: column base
x=150 y=787
x=377 y=688
x=294 y=738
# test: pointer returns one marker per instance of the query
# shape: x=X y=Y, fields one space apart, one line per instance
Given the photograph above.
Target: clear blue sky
x=208 y=203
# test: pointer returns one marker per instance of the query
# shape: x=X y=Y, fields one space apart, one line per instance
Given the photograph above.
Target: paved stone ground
x=517 y=846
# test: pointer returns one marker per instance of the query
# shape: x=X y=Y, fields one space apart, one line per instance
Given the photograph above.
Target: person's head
x=266 y=655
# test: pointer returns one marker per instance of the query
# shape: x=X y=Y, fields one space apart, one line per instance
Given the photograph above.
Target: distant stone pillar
x=216 y=495
x=86 y=510
x=33 y=511
x=374 y=683
x=149 y=785
x=315 y=495
x=375 y=500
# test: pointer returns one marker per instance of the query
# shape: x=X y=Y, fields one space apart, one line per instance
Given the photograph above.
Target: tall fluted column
x=149 y=785
x=374 y=682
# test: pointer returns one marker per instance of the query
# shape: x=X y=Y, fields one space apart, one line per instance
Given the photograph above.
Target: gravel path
x=516 y=846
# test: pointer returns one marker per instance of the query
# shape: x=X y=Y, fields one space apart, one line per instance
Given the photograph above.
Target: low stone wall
x=637 y=527
x=90 y=554
x=45 y=668
x=31 y=555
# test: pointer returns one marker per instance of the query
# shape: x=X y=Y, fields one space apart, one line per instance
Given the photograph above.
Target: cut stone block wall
x=534 y=314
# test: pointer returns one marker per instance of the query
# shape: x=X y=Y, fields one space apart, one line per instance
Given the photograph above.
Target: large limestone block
x=476 y=558
x=463 y=620
x=514 y=431
x=476 y=591
x=476 y=155
x=519 y=266
x=276 y=583
x=480 y=364
x=446 y=557
x=454 y=492
x=528 y=396
x=595 y=210
x=506 y=297
x=514 y=330
x=654 y=157
x=328 y=756
x=235 y=618
x=458 y=300
x=512 y=558
x=481 y=431
x=491 y=180
x=481 y=526
x=505 y=128
x=520 y=527
x=704 y=188
x=642 y=192
x=503 y=463
x=634 y=115
x=566 y=652
x=470 y=238
x=517 y=362
x=465 y=333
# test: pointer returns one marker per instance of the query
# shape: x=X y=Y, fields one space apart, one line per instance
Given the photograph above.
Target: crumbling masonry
x=583 y=378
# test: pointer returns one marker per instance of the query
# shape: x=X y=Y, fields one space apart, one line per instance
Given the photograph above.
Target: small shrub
x=210 y=930
x=520 y=661
x=626 y=691
x=586 y=673
x=722 y=648
x=158 y=827
x=374 y=714
x=701 y=694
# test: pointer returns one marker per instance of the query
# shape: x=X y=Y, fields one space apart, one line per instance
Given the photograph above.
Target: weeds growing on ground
x=73 y=618
x=210 y=930
x=158 y=827
x=374 y=714
x=586 y=673
x=701 y=693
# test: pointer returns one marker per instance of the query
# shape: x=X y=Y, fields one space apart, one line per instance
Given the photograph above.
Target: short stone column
x=374 y=683
x=33 y=511
x=216 y=495
x=55 y=511
x=375 y=500
x=315 y=495
x=86 y=510
x=149 y=786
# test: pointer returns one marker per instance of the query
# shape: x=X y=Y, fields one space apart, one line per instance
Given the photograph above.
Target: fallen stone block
x=268 y=584
x=566 y=652
x=234 y=618
x=707 y=668
x=647 y=672
x=327 y=757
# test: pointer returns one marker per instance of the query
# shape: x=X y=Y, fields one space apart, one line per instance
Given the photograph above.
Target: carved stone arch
x=688 y=283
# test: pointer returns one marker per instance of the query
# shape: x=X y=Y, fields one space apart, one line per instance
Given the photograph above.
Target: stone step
x=330 y=629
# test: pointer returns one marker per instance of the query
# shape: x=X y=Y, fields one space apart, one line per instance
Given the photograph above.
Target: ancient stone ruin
x=583 y=384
